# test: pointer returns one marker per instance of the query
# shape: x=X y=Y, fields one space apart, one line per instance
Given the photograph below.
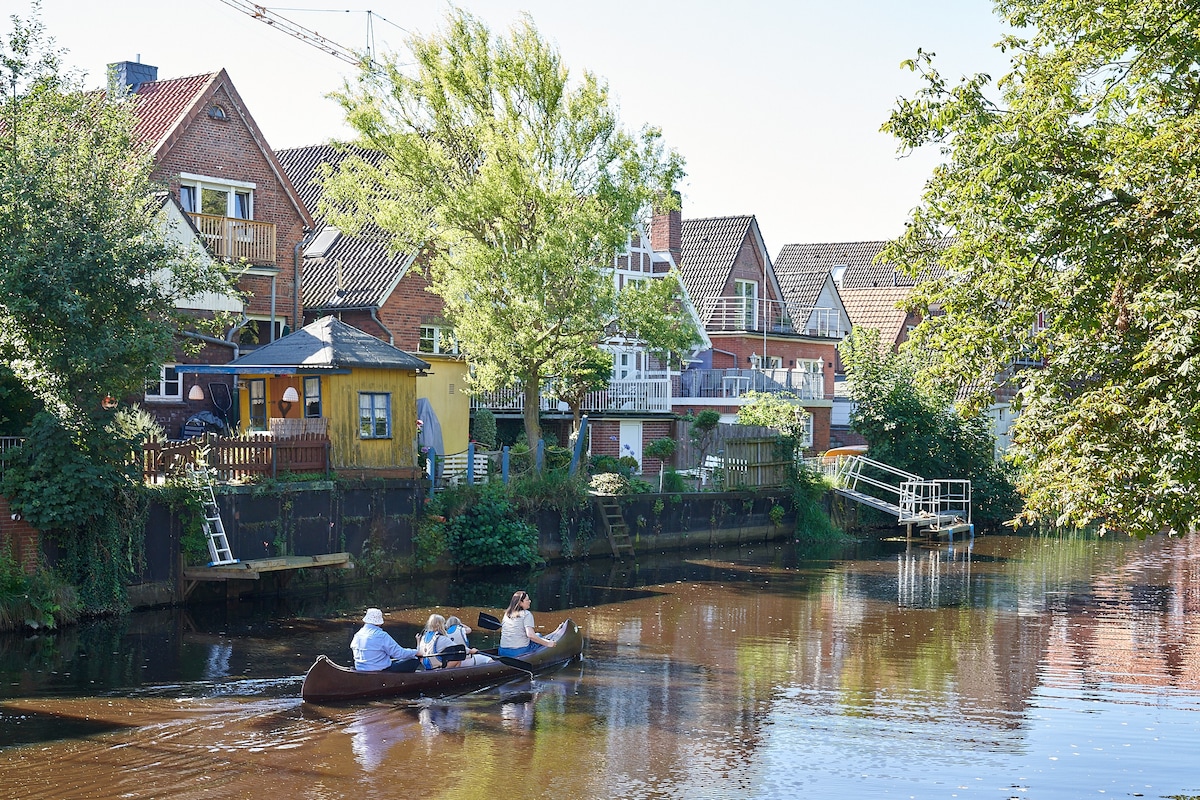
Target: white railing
x=737 y=382
x=769 y=316
x=824 y=322
x=635 y=394
x=922 y=501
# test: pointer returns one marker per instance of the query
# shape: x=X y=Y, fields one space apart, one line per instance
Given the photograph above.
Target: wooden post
x=432 y=471
x=541 y=456
x=577 y=453
x=470 y=463
x=504 y=465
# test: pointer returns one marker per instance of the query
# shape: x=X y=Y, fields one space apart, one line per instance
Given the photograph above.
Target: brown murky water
x=1013 y=667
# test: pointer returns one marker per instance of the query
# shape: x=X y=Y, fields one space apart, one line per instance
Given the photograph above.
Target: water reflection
x=1003 y=666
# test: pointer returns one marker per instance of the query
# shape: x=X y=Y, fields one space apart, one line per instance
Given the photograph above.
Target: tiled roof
x=329 y=342
x=857 y=257
x=800 y=282
x=163 y=105
x=709 y=247
x=876 y=308
x=356 y=271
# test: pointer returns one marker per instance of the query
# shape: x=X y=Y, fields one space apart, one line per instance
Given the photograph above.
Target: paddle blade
x=516 y=663
x=489 y=622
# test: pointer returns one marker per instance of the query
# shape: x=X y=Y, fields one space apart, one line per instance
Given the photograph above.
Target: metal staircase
x=210 y=519
x=614 y=525
x=934 y=506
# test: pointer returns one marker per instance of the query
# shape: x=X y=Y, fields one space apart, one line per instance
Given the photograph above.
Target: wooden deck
x=253 y=569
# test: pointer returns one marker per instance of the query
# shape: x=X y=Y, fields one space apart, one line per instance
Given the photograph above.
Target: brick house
x=763 y=338
x=363 y=282
x=211 y=158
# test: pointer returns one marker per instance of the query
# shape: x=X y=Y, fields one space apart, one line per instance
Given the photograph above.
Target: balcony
x=737 y=314
x=637 y=394
x=730 y=383
x=236 y=240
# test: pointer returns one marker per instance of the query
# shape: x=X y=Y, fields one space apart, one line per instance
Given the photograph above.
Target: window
x=837 y=271
x=774 y=362
x=312 y=397
x=169 y=386
x=216 y=197
x=374 y=415
x=748 y=292
x=436 y=339
x=806 y=432
x=258 y=404
x=258 y=331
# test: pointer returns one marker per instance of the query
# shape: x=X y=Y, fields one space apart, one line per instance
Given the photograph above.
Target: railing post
x=432 y=471
x=470 y=463
x=504 y=464
x=539 y=461
x=577 y=452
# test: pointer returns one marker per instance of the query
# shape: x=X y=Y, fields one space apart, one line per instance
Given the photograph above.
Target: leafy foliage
x=914 y=428
x=484 y=530
x=1071 y=195
x=518 y=182
x=484 y=428
x=37 y=600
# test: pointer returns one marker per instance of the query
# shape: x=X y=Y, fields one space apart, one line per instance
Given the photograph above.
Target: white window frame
x=749 y=302
x=162 y=395
x=370 y=404
x=806 y=434
x=263 y=325
x=231 y=188
x=441 y=338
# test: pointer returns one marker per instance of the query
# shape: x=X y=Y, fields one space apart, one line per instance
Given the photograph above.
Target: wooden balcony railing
x=237 y=458
x=237 y=239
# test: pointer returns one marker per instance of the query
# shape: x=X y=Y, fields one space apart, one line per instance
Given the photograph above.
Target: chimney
x=666 y=230
x=131 y=74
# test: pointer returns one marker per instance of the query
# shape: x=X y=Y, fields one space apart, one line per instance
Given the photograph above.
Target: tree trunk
x=533 y=430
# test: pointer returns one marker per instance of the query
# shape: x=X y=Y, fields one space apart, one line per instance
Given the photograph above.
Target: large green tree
x=518 y=181
x=1071 y=191
x=88 y=282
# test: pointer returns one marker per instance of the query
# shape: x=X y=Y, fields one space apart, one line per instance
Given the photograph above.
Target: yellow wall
x=339 y=404
x=445 y=388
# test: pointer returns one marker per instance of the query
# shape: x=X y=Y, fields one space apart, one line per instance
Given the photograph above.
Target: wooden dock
x=255 y=568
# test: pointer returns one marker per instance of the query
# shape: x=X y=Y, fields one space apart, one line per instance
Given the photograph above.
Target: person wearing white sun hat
x=375 y=650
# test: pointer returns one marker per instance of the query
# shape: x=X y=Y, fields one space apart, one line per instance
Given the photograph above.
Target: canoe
x=328 y=682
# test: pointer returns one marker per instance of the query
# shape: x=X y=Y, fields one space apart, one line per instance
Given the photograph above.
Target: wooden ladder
x=614 y=524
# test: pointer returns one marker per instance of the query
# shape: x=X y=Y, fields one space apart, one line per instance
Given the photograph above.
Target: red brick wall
x=789 y=349
x=227 y=149
x=19 y=537
x=410 y=306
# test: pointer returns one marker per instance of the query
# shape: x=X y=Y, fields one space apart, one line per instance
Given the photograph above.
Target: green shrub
x=38 y=600
x=673 y=482
x=610 y=483
x=486 y=531
x=483 y=428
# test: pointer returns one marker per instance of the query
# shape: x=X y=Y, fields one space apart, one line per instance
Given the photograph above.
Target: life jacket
x=428 y=643
x=458 y=636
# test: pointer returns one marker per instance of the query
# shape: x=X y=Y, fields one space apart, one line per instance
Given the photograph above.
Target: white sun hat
x=373 y=616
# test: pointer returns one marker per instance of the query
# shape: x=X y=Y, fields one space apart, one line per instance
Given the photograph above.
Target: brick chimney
x=131 y=74
x=666 y=231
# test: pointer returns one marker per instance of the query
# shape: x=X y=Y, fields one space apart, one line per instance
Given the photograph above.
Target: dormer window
x=837 y=272
x=216 y=112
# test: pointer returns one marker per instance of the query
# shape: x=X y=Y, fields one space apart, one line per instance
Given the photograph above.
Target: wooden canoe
x=327 y=682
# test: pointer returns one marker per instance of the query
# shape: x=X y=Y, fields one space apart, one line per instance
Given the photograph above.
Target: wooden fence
x=745 y=455
x=237 y=458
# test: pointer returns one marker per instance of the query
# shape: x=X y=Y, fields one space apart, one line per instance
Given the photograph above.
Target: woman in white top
x=518 y=637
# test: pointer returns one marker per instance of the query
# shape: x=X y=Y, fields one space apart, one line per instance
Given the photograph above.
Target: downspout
x=391 y=338
x=274 y=279
x=214 y=340
x=228 y=340
x=296 y=321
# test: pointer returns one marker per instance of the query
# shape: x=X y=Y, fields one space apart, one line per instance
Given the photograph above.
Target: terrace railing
x=737 y=382
x=237 y=239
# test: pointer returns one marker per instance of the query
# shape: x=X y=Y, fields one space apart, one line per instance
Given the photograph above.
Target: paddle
x=489 y=622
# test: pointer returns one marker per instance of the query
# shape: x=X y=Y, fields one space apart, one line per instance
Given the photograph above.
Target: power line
x=306 y=35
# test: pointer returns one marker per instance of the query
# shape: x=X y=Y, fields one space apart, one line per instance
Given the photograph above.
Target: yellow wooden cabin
x=331 y=378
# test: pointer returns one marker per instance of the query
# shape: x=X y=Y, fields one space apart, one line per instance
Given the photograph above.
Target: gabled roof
x=166 y=108
x=877 y=308
x=355 y=271
x=800 y=282
x=857 y=257
x=708 y=250
x=331 y=343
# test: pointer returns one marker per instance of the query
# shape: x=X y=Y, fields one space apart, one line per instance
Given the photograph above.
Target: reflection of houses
x=331 y=378
x=364 y=283
x=769 y=333
x=212 y=158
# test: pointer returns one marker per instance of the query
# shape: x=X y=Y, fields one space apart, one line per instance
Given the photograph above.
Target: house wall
x=742 y=346
x=605 y=440
x=19 y=537
x=227 y=148
x=445 y=389
x=341 y=407
x=409 y=306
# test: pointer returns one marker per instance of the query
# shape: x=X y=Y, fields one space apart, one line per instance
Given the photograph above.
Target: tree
x=579 y=372
x=779 y=410
x=517 y=181
x=1071 y=193
x=914 y=427
x=88 y=283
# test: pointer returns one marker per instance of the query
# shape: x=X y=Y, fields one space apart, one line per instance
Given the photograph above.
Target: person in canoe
x=518 y=636
x=432 y=641
x=458 y=632
x=375 y=650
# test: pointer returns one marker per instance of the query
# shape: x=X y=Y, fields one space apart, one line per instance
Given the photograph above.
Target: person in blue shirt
x=375 y=650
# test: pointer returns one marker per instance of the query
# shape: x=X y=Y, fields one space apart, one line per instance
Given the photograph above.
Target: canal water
x=1025 y=667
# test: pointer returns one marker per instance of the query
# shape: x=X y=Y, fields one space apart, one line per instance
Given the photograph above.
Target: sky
x=775 y=106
